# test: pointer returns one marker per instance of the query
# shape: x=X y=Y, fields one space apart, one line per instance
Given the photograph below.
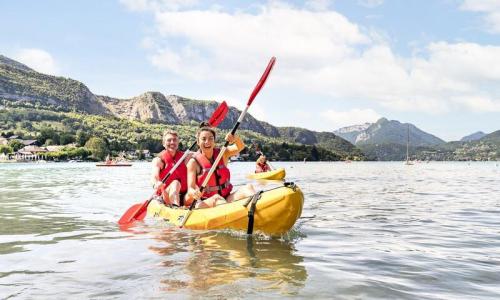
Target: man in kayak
x=261 y=164
x=219 y=188
x=174 y=189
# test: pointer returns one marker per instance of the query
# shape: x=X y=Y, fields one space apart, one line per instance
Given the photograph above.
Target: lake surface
x=369 y=230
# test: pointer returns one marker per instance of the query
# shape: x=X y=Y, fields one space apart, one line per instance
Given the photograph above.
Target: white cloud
x=478 y=103
x=157 y=5
x=318 y=4
x=38 y=59
x=370 y=3
x=338 y=119
x=324 y=52
x=235 y=43
x=491 y=9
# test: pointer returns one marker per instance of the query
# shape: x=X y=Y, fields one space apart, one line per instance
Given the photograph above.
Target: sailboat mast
x=408 y=144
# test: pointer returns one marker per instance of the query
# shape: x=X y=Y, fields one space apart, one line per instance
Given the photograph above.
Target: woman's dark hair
x=205 y=128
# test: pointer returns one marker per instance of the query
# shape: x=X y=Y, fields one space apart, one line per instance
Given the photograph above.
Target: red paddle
x=137 y=212
x=255 y=91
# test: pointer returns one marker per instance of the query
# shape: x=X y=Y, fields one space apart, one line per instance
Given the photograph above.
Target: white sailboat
x=408 y=162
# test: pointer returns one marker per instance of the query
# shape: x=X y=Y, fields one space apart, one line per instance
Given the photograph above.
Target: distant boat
x=118 y=164
x=408 y=162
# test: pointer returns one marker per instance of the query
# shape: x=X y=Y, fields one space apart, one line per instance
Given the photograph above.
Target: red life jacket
x=179 y=174
x=219 y=182
x=262 y=168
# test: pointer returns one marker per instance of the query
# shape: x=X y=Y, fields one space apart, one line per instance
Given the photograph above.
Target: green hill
x=37 y=101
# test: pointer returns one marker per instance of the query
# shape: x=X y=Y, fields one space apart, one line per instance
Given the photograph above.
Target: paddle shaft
x=255 y=91
x=177 y=164
x=136 y=212
x=223 y=149
x=214 y=166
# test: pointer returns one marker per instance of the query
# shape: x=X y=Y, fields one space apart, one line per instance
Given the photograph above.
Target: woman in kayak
x=175 y=188
x=219 y=188
x=261 y=165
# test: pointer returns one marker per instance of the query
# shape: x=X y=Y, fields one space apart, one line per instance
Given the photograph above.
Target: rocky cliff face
x=148 y=107
x=350 y=133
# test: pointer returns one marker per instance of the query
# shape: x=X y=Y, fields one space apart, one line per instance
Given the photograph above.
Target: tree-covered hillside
x=49 y=127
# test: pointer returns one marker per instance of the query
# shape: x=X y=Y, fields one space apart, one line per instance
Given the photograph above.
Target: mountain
x=387 y=139
x=12 y=63
x=21 y=86
x=350 y=133
x=473 y=137
x=387 y=132
x=485 y=148
x=492 y=137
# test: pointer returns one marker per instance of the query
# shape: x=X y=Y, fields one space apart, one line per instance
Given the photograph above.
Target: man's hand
x=157 y=185
x=195 y=193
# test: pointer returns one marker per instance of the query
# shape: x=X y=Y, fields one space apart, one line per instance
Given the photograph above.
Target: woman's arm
x=235 y=148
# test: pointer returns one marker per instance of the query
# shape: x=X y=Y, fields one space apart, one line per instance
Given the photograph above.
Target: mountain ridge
x=473 y=136
x=24 y=87
x=386 y=131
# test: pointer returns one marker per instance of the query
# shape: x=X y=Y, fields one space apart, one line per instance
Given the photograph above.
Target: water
x=368 y=231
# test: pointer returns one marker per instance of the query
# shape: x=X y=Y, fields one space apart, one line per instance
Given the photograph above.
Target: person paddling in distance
x=173 y=191
x=261 y=164
x=219 y=188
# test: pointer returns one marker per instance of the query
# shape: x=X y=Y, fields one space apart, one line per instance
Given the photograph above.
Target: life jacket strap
x=210 y=189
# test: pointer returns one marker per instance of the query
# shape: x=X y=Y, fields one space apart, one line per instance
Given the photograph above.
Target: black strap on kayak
x=291 y=185
x=251 y=211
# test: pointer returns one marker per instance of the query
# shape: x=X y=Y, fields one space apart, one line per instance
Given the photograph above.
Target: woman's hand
x=230 y=138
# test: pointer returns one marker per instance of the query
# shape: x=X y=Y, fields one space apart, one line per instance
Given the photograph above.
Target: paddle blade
x=218 y=115
x=262 y=80
x=135 y=213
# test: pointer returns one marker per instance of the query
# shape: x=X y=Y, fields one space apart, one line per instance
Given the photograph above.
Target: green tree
x=66 y=138
x=5 y=149
x=45 y=134
x=15 y=145
x=314 y=153
x=284 y=155
x=98 y=147
x=81 y=137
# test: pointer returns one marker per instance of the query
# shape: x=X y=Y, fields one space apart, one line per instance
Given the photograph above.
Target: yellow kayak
x=275 y=212
x=277 y=174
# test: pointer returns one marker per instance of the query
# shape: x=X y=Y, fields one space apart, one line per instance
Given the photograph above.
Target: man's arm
x=155 y=171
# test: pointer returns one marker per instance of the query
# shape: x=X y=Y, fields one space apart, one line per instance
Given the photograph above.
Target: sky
x=435 y=64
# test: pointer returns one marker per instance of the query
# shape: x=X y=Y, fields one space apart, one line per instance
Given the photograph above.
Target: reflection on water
x=368 y=231
x=216 y=260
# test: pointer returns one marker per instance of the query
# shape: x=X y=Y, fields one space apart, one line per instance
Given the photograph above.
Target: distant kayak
x=277 y=174
x=275 y=213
